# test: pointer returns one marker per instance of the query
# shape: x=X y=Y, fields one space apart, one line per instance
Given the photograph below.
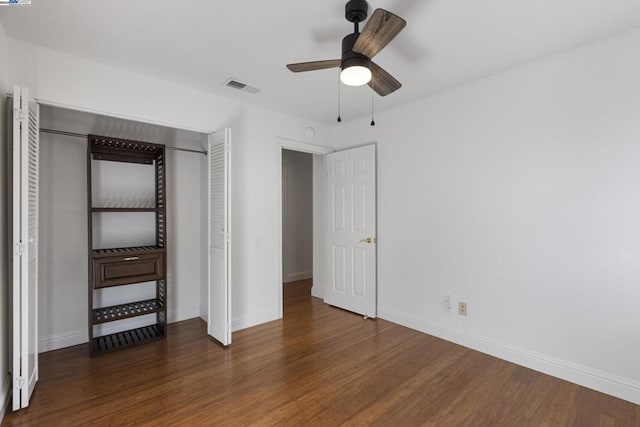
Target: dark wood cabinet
x=128 y=266
x=127 y=269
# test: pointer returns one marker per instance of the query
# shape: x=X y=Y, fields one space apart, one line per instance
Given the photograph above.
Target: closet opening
x=297 y=227
x=124 y=214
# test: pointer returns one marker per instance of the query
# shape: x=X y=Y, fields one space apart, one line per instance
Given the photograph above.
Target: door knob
x=368 y=240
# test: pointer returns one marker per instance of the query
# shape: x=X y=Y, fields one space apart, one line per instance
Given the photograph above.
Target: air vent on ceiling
x=236 y=84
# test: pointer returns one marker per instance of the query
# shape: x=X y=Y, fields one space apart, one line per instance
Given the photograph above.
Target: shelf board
x=125 y=209
x=128 y=338
x=134 y=250
x=125 y=311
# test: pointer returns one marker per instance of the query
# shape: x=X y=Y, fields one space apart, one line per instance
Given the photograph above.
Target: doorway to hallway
x=297 y=225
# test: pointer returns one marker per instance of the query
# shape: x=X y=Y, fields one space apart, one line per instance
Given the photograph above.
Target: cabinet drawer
x=122 y=270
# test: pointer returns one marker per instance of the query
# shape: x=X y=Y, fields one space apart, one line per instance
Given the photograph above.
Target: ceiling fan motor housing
x=356 y=10
x=351 y=58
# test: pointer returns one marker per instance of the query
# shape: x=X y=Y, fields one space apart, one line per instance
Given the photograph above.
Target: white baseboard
x=292 y=277
x=61 y=341
x=81 y=336
x=317 y=291
x=182 y=313
x=244 y=322
x=581 y=375
x=5 y=396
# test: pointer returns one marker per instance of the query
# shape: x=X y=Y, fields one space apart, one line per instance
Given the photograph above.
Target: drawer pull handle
x=131 y=258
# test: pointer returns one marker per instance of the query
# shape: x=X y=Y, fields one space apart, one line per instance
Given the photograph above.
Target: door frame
x=304 y=147
x=117 y=115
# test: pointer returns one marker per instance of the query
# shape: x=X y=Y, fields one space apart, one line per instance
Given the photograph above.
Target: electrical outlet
x=462 y=308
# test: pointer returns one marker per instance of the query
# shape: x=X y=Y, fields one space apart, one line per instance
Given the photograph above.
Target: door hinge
x=20 y=383
x=20 y=249
x=20 y=114
x=227 y=237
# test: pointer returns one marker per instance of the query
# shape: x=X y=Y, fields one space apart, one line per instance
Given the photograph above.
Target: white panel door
x=350 y=200
x=24 y=212
x=219 y=159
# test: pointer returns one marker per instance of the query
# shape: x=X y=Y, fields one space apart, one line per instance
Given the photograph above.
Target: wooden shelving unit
x=124 y=209
x=126 y=339
x=128 y=266
x=125 y=311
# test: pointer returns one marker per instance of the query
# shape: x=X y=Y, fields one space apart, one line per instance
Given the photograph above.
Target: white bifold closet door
x=24 y=266
x=219 y=160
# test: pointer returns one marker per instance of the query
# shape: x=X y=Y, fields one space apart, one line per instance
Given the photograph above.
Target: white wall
x=297 y=215
x=4 y=279
x=204 y=239
x=256 y=177
x=65 y=80
x=520 y=195
x=184 y=210
x=62 y=262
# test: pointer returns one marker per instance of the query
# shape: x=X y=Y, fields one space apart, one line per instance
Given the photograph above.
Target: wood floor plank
x=318 y=365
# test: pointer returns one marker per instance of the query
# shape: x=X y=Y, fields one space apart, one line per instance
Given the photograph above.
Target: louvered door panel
x=31 y=259
x=24 y=219
x=219 y=161
x=217 y=200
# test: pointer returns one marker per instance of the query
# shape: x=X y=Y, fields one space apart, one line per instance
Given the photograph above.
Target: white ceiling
x=201 y=43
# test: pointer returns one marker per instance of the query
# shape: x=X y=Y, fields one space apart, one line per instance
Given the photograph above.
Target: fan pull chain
x=373 y=123
x=339 y=118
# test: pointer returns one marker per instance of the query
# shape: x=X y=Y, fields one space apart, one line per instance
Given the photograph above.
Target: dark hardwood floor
x=317 y=366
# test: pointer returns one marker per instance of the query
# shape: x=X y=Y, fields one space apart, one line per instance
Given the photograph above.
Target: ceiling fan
x=359 y=48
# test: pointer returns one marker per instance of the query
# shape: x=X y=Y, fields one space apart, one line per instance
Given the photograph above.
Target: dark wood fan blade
x=314 y=65
x=381 y=28
x=382 y=82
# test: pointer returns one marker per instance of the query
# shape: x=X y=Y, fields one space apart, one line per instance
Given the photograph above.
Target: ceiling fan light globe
x=356 y=75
